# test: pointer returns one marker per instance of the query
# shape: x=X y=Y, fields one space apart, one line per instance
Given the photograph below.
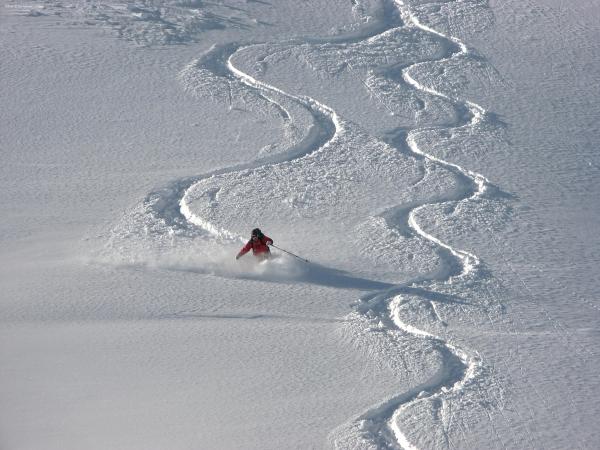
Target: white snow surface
x=434 y=165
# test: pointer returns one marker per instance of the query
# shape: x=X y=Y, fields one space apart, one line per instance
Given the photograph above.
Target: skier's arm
x=244 y=250
x=268 y=240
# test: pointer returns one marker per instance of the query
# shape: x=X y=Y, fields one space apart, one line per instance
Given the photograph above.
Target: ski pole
x=290 y=253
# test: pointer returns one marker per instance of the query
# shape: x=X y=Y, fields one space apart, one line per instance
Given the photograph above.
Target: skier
x=259 y=243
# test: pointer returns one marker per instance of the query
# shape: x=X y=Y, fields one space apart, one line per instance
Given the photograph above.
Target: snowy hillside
x=427 y=171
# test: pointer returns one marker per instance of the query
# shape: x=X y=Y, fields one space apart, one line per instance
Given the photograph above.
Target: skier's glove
x=237 y=257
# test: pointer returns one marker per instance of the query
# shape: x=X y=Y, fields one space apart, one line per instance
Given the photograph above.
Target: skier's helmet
x=256 y=232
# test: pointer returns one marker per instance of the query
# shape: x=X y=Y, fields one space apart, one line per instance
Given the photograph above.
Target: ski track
x=325 y=119
x=460 y=366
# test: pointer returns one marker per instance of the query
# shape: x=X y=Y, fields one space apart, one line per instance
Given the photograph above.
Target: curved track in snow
x=169 y=203
x=326 y=126
x=381 y=425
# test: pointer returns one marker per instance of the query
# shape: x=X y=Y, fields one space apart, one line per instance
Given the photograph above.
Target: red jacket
x=258 y=246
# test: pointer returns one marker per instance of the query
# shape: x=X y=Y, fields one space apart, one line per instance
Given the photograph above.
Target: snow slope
x=442 y=190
